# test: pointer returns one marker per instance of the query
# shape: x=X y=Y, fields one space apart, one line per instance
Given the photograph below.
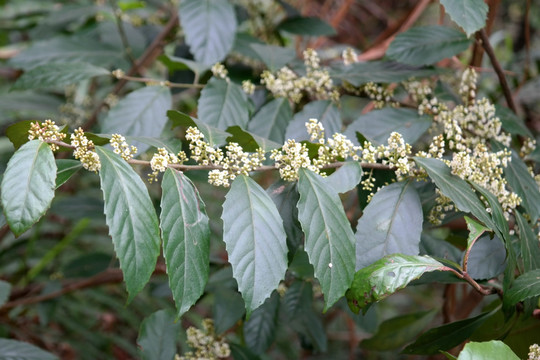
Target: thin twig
x=465 y=276
x=123 y=37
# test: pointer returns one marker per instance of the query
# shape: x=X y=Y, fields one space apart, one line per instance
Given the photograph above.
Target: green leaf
x=210 y=27
x=530 y=247
x=57 y=74
x=18 y=133
x=391 y=223
x=223 y=104
x=285 y=196
x=255 y=239
x=424 y=45
x=28 y=105
x=274 y=57
x=5 y=290
x=186 y=239
x=323 y=110
x=158 y=335
x=260 y=330
x=377 y=125
x=447 y=336
x=271 y=120
x=228 y=309
x=250 y=142
x=524 y=287
x=346 y=177
x=141 y=113
x=20 y=350
x=487 y=258
x=28 y=185
x=511 y=122
x=471 y=15
x=174 y=63
x=398 y=331
x=496 y=212
x=310 y=26
x=475 y=231
x=329 y=240
x=212 y=135
x=456 y=189
x=386 y=276
x=489 y=350
x=132 y=220
x=242 y=353
x=66 y=169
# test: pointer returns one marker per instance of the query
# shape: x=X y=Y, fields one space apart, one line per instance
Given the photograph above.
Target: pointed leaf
x=132 y=220
x=212 y=135
x=487 y=258
x=57 y=74
x=255 y=239
x=28 y=185
x=228 y=309
x=5 y=290
x=323 y=110
x=141 y=113
x=496 y=212
x=391 y=223
x=524 y=287
x=285 y=196
x=424 y=45
x=329 y=239
x=260 y=330
x=274 y=57
x=271 y=120
x=250 y=142
x=20 y=350
x=475 y=231
x=223 y=104
x=66 y=169
x=489 y=350
x=210 y=27
x=346 y=177
x=530 y=246
x=158 y=335
x=386 y=276
x=469 y=14
x=511 y=122
x=186 y=239
x=311 y=26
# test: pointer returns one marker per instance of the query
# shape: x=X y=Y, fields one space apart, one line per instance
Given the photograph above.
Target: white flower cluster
x=161 y=160
x=467 y=88
x=534 y=352
x=349 y=56
x=381 y=95
x=46 y=131
x=84 y=151
x=248 y=87
x=219 y=71
x=316 y=83
x=205 y=344
x=529 y=145
x=292 y=157
x=417 y=90
x=121 y=147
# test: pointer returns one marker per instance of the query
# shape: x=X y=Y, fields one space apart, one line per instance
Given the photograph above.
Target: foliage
x=254 y=182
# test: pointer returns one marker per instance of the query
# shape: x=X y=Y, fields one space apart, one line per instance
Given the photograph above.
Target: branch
x=465 y=276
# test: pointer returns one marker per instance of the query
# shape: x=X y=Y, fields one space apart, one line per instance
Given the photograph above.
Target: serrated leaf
x=310 y=26
x=5 y=290
x=285 y=196
x=377 y=125
x=255 y=240
x=260 y=330
x=488 y=350
x=28 y=185
x=20 y=350
x=186 y=239
x=242 y=353
x=323 y=110
x=446 y=336
x=386 y=276
x=271 y=120
x=210 y=27
x=524 y=287
x=425 y=45
x=398 y=331
x=223 y=104
x=174 y=63
x=329 y=240
x=142 y=112
x=496 y=212
x=391 y=223
x=250 y=142
x=157 y=336
x=228 y=309
x=66 y=169
x=132 y=220
x=530 y=247
x=346 y=177
x=511 y=122
x=212 y=135
x=57 y=74
x=469 y=14
x=274 y=57
x=475 y=231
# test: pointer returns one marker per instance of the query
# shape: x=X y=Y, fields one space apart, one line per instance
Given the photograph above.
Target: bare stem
x=465 y=276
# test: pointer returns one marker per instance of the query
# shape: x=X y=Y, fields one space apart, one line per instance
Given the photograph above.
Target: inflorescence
x=205 y=343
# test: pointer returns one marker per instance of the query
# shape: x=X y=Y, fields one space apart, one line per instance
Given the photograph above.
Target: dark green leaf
x=242 y=353
x=87 y=265
x=447 y=336
x=171 y=144
x=141 y=113
x=391 y=223
x=210 y=28
x=489 y=350
x=242 y=45
x=530 y=247
x=228 y=309
x=212 y=135
x=260 y=329
x=250 y=142
x=157 y=336
x=223 y=104
x=28 y=105
x=399 y=331
x=310 y=26
x=66 y=169
x=28 y=185
x=297 y=298
x=511 y=122
x=386 y=276
x=20 y=350
x=5 y=290
x=57 y=74
x=186 y=239
x=18 y=133
x=524 y=287
x=132 y=220
x=345 y=178
x=174 y=63
x=475 y=231
x=274 y=57
x=255 y=239
x=487 y=258
x=425 y=45
x=469 y=14
x=271 y=120
x=496 y=212
x=311 y=327
x=377 y=125
x=285 y=196
x=329 y=240
x=323 y=110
